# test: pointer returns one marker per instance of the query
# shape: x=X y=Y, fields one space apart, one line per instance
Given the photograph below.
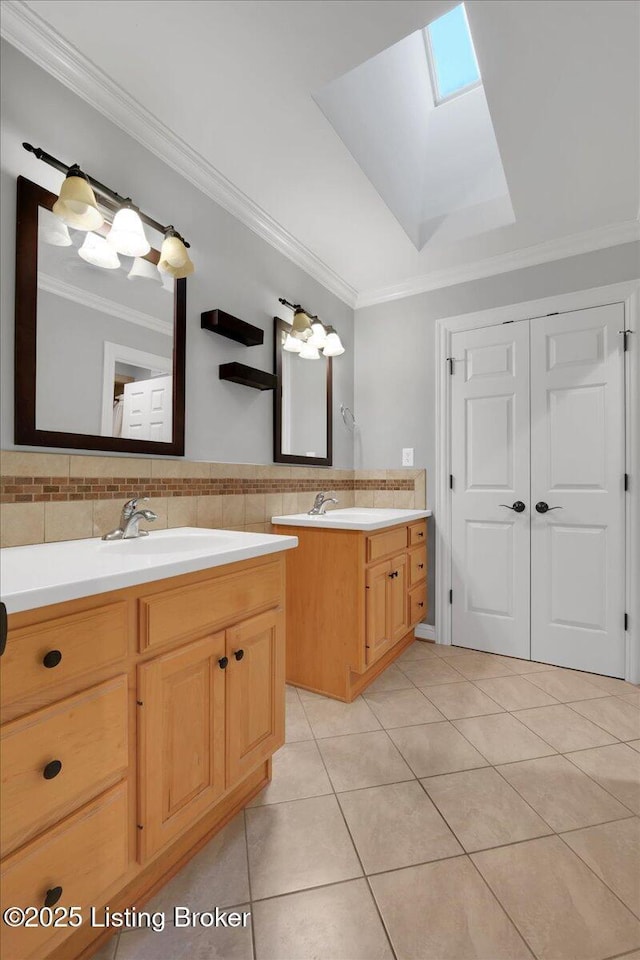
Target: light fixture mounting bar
x=297 y=306
x=111 y=199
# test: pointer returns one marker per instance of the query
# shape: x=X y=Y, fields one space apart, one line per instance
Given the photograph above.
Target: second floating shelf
x=247 y=376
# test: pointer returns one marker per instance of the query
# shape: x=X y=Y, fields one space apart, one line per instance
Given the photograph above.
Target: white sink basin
x=352 y=518
x=35 y=576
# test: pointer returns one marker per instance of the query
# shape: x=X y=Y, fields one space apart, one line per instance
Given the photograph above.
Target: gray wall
x=236 y=270
x=395 y=354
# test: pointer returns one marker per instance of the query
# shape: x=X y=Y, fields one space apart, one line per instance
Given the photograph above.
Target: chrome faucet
x=318 y=508
x=129 y=521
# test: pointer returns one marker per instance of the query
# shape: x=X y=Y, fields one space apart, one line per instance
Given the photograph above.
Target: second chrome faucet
x=318 y=508
x=130 y=518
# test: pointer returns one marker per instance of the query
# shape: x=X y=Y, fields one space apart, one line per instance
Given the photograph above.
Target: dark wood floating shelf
x=248 y=376
x=227 y=326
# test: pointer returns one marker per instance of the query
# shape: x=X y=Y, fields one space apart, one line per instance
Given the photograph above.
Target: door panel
x=377 y=579
x=577 y=457
x=490 y=466
x=397 y=606
x=255 y=693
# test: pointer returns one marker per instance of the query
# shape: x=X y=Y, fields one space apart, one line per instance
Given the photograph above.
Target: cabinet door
x=181 y=718
x=377 y=583
x=397 y=603
x=255 y=693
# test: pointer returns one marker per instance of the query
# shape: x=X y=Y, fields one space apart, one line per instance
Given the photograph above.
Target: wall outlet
x=407 y=456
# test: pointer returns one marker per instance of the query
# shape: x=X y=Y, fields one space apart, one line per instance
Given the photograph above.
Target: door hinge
x=626 y=622
x=451 y=361
x=625 y=338
x=450 y=481
x=626 y=482
x=450 y=596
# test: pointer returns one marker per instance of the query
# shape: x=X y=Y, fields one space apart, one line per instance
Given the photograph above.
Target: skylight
x=452 y=59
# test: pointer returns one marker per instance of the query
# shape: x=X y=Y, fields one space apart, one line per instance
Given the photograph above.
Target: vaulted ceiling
x=235 y=81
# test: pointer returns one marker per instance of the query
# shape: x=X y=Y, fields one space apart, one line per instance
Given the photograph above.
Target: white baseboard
x=425 y=631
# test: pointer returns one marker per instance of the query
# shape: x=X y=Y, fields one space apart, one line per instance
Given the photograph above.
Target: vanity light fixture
x=309 y=352
x=291 y=345
x=144 y=270
x=319 y=335
x=316 y=338
x=333 y=346
x=52 y=230
x=97 y=251
x=77 y=207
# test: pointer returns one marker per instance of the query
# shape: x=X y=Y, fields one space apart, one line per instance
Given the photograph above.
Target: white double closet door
x=537 y=450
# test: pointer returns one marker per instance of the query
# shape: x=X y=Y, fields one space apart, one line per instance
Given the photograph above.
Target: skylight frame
x=431 y=62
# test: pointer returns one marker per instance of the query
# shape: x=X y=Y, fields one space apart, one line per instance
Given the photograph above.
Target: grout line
x=503 y=908
x=601 y=879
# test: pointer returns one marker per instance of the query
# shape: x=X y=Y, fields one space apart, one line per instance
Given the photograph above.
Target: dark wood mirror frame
x=30 y=197
x=280 y=327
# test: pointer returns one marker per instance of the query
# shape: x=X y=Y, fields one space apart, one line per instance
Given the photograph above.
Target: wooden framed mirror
x=99 y=348
x=302 y=405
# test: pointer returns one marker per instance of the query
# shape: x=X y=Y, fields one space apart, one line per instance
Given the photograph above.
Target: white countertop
x=352 y=518
x=35 y=576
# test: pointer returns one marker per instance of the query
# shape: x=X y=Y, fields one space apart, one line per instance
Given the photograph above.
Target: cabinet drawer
x=382 y=544
x=86 y=734
x=48 y=655
x=188 y=611
x=418 y=533
x=85 y=856
x=417 y=603
x=417 y=565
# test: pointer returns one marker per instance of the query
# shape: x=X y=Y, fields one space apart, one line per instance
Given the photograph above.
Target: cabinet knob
x=421 y=603
x=421 y=533
x=420 y=566
x=51 y=659
x=52 y=896
x=52 y=769
x=222 y=662
x=239 y=654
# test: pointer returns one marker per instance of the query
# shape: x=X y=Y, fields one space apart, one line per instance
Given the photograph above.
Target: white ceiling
x=235 y=81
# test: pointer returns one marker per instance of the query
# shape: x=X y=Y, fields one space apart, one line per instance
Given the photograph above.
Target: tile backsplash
x=50 y=496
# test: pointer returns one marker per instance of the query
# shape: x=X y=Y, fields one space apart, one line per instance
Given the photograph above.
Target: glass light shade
x=309 y=352
x=319 y=335
x=291 y=345
x=178 y=273
x=52 y=230
x=127 y=234
x=76 y=206
x=97 y=251
x=173 y=251
x=301 y=326
x=144 y=270
x=333 y=347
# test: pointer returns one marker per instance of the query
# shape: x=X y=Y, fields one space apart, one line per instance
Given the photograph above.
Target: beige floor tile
x=298 y=772
x=451 y=650
x=461 y=700
x=520 y=667
x=615 y=716
x=482 y=666
x=339 y=921
x=196 y=943
x=562 y=794
x=608 y=685
x=502 y=739
x=635 y=744
x=560 y=907
x=436 y=748
x=632 y=698
x=108 y=951
x=296 y=724
x=564 y=685
x=444 y=911
x=515 y=693
x=482 y=810
x=612 y=850
x=396 y=826
x=401 y=708
x=616 y=768
x=563 y=728
x=389 y=679
x=363 y=760
x=418 y=650
x=297 y=845
x=332 y=718
x=429 y=671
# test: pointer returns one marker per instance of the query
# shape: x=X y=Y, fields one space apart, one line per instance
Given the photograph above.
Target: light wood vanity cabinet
x=353 y=599
x=152 y=721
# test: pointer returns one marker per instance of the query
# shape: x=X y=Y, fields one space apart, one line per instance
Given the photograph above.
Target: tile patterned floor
x=466 y=806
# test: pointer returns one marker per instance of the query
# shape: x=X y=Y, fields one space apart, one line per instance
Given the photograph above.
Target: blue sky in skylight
x=454 y=61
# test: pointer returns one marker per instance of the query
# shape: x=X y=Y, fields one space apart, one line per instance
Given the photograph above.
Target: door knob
x=543 y=507
x=518 y=506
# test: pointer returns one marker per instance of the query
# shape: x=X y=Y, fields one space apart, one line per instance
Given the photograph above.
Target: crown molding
x=34 y=37
x=61 y=288
x=612 y=235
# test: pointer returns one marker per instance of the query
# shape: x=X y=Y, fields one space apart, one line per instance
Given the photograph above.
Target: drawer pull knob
x=393 y=574
x=223 y=662
x=51 y=659
x=52 y=769
x=239 y=654
x=421 y=533
x=52 y=896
